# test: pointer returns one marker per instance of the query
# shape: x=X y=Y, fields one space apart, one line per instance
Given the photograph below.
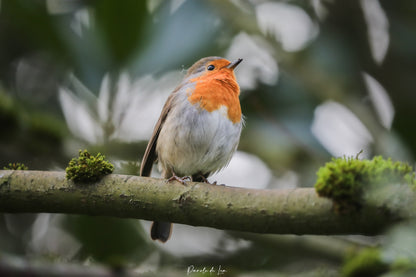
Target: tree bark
x=286 y=211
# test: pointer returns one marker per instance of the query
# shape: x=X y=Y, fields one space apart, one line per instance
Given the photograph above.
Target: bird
x=198 y=130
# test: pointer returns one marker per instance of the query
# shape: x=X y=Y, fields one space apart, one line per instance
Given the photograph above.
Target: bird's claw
x=208 y=182
x=181 y=180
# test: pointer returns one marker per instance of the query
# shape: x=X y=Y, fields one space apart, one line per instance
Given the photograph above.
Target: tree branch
x=288 y=211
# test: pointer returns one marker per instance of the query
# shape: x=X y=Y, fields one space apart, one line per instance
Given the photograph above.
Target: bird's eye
x=211 y=67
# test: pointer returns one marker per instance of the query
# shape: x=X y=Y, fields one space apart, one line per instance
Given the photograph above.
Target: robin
x=198 y=130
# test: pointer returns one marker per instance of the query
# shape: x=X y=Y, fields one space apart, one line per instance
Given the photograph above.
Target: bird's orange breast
x=216 y=91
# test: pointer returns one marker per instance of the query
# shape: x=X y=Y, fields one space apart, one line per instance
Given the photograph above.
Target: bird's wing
x=150 y=154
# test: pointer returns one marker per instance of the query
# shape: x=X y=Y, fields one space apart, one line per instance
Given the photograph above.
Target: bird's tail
x=161 y=230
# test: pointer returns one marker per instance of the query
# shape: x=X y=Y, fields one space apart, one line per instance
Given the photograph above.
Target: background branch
x=286 y=211
x=14 y=266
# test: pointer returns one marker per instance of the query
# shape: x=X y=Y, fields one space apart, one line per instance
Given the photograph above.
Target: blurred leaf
x=31 y=136
x=122 y=25
x=113 y=241
x=32 y=26
x=400 y=243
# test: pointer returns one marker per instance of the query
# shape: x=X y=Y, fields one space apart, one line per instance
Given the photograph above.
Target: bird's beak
x=234 y=64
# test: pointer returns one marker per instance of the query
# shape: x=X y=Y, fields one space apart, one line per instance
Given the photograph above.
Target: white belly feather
x=194 y=141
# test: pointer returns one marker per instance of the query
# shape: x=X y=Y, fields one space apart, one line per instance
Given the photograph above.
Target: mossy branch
x=288 y=211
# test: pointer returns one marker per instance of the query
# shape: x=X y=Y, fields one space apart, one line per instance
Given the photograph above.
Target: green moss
x=344 y=179
x=15 y=166
x=404 y=266
x=366 y=263
x=88 y=168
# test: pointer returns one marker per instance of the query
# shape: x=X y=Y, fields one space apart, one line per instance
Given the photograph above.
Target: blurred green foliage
x=366 y=263
x=113 y=241
x=44 y=42
x=15 y=166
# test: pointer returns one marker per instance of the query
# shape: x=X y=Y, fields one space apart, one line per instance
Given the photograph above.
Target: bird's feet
x=181 y=180
x=206 y=180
